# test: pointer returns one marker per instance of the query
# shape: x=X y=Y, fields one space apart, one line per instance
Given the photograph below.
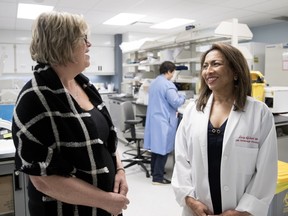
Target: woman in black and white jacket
x=64 y=136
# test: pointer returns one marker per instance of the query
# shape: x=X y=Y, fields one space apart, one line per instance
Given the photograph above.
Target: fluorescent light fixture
x=172 y=23
x=123 y=19
x=31 y=11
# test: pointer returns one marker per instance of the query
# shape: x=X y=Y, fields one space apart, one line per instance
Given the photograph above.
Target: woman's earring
x=235 y=78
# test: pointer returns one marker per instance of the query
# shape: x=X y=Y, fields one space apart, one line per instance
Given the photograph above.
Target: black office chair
x=133 y=132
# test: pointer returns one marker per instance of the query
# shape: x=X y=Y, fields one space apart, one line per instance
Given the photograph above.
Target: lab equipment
x=276 y=99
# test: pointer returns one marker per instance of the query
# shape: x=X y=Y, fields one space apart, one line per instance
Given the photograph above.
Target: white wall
x=101 y=40
x=8 y=36
x=271 y=34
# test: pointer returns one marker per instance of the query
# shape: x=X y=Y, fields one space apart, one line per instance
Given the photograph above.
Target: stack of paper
x=7 y=146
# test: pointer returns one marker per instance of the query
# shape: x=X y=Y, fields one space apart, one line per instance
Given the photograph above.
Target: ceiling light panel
x=123 y=19
x=172 y=23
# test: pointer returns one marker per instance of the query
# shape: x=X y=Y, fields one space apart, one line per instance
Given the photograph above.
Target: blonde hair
x=55 y=35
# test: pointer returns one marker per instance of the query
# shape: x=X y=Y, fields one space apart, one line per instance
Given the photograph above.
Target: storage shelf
x=188 y=60
x=183 y=81
x=139 y=64
x=184 y=51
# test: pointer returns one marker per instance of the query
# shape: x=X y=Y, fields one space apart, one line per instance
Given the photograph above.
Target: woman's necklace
x=75 y=93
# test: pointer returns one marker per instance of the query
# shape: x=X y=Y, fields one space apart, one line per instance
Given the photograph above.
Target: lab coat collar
x=233 y=120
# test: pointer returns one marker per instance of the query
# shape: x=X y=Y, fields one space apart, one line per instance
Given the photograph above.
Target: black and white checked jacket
x=48 y=128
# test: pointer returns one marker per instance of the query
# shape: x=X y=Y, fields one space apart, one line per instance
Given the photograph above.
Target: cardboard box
x=6 y=195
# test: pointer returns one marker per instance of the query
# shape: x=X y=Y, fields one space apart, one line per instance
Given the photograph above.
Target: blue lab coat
x=161 y=117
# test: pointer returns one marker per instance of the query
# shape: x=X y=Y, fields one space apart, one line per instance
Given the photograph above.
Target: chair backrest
x=127 y=113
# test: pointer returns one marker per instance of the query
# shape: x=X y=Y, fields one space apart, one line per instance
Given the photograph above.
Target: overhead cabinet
x=7 y=63
x=15 y=58
x=24 y=62
x=101 y=60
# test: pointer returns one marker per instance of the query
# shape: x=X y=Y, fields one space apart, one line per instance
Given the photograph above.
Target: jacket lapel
x=232 y=122
x=204 y=119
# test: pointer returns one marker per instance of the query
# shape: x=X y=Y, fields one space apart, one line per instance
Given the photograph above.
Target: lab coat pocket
x=247 y=145
x=246 y=157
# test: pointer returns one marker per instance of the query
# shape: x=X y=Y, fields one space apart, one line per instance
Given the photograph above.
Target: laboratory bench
x=13 y=189
x=281 y=124
x=119 y=98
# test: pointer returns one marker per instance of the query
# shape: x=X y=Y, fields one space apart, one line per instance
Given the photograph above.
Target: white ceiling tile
x=112 y=5
x=267 y=7
x=8 y=1
x=279 y=11
x=205 y=12
x=259 y=20
x=7 y=23
x=24 y=24
x=98 y=17
x=248 y=4
x=8 y=9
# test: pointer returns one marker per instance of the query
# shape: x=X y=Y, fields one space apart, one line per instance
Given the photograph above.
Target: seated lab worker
x=161 y=120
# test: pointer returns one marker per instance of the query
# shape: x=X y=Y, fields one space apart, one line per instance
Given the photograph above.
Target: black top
x=215 y=141
x=105 y=180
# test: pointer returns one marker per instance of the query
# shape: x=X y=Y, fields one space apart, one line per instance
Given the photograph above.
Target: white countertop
x=7 y=146
x=105 y=91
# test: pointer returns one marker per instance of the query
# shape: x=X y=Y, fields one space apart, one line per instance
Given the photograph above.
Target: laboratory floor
x=145 y=198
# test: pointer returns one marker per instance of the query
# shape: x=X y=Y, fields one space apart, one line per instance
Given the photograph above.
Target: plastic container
x=279 y=204
x=258 y=85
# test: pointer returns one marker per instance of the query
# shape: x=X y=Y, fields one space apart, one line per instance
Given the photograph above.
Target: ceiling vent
x=283 y=18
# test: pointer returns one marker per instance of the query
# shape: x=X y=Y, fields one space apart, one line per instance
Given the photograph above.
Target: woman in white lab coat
x=161 y=120
x=226 y=145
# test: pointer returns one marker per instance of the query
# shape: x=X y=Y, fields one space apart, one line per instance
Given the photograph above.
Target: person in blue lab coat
x=161 y=120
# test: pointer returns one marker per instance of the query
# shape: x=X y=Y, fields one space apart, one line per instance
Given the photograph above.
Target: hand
x=120 y=184
x=198 y=208
x=234 y=213
x=118 y=203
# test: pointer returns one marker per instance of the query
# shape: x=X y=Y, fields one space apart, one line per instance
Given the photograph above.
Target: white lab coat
x=248 y=165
